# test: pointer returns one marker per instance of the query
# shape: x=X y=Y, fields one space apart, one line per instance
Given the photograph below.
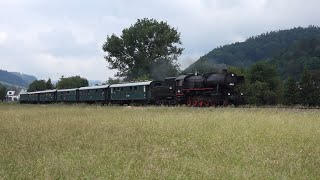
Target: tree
x=37 y=85
x=265 y=87
x=291 y=92
x=3 y=92
x=49 y=84
x=309 y=94
x=72 y=82
x=140 y=46
x=113 y=81
x=261 y=94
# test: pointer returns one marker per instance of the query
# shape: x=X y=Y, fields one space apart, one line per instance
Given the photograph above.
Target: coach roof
x=94 y=87
x=132 y=84
x=63 y=90
x=38 y=92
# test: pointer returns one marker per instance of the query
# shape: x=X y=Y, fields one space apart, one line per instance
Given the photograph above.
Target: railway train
x=210 y=89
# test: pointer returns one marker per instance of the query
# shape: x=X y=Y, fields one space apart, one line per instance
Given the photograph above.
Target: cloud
x=3 y=37
x=50 y=38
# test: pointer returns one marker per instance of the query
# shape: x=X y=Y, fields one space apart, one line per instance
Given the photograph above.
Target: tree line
x=274 y=45
x=3 y=92
x=264 y=86
x=63 y=83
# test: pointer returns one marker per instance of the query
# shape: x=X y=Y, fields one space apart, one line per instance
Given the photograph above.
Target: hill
x=15 y=79
x=267 y=46
x=28 y=78
x=303 y=53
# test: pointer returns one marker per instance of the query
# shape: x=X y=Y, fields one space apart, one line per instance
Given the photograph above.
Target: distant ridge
x=15 y=79
x=267 y=46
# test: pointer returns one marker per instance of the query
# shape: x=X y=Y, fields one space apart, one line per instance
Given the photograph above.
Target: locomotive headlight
x=231 y=84
x=179 y=91
x=229 y=94
x=232 y=74
x=241 y=94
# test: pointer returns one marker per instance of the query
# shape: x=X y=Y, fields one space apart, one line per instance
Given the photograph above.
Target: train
x=209 y=89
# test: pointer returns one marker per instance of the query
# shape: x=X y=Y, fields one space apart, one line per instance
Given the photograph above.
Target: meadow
x=115 y=142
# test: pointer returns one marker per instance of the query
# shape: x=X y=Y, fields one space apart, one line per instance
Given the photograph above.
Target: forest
x=281 y=67
x=297 y=44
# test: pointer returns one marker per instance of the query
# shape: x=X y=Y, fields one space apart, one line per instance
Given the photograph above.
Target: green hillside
x=15 y=79
x=28 y=78
x=277 y=46
x=303 y=53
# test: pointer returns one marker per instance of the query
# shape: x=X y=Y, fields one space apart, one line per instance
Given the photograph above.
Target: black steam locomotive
x=209 y=89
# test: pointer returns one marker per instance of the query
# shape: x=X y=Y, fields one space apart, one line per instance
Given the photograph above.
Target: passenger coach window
x=135 y=88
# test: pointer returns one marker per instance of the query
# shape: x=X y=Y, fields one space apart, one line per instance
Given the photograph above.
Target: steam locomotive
x=210 y=89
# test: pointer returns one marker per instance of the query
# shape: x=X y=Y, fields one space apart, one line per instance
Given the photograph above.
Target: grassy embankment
x=73 y=141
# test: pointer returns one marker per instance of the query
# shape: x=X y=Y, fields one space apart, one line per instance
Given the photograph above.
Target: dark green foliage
x=49 y=84
x=72 y=82
x=261 y=94
x=303 y=53
x=309 y=93
x=37 y=85
x=3 y=92
x=291 y=92
x=114 y=81
x=269 y=46
x=264 y=86
x=240 y=71
x=140 y=46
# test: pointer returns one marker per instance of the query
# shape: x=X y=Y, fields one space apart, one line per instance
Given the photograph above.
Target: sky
x=51 y=38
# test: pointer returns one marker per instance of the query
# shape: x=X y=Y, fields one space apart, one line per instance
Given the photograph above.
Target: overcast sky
x=50 y=38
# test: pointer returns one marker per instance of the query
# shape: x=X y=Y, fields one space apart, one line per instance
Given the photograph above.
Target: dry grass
x=96 y=142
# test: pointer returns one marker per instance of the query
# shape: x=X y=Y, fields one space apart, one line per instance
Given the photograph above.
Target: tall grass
x=80 y=141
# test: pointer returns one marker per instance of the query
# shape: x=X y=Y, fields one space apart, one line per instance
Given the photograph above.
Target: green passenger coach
x=33 y=97
x=67 y=95
x=24 y=97
x=130 y=92
x=48 y=96
x=94 y=94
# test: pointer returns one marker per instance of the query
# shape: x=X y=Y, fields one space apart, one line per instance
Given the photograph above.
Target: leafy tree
x=114 y=81
x=3 y=92
x=264 y=84
x=140 y=46
x=240 y=71
x=72 y=82
x=37 y=85
x=49 y=84
x=291 y=92
x=261 y=94
x=309 y=94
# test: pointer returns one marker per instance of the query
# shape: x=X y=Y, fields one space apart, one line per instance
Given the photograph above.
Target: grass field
x=100 y=142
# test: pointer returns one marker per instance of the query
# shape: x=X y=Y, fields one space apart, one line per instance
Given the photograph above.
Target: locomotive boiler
x=209 y=89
